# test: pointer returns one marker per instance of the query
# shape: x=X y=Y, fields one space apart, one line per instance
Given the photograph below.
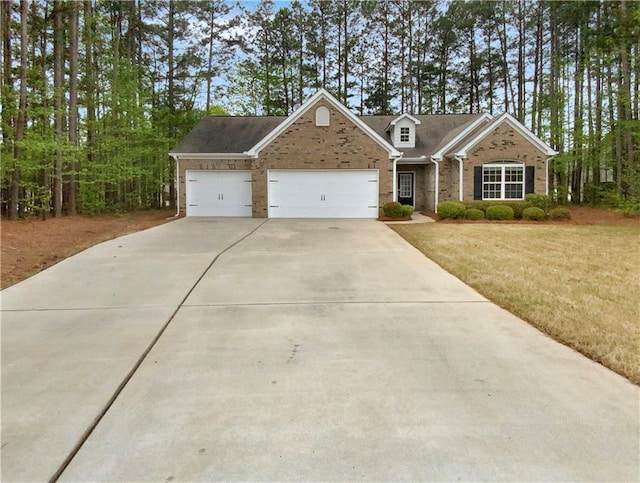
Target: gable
x=505 y=129
x=322 y=97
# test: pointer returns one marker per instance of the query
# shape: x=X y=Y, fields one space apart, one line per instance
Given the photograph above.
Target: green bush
x=407 y=210
x=481 y=205
x=517 y=206
x=560 y=214
x=539 y=201
x=630 y=210
x=500 y=212
x=474 y=214
x=533 y=213
x=393 y=209
x=611 y=199
x=451 y=209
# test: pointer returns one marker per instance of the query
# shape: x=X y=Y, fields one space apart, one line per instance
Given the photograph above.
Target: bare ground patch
x=31 y=245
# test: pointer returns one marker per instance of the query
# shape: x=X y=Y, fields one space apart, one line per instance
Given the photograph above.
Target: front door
x=405 y=188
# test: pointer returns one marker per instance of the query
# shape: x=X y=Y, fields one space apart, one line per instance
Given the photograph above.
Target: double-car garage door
x=306 y=193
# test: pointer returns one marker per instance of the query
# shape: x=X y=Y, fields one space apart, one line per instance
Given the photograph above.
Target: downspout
x=437 y=185
x=177 y=160
x=546 y=176
x=460 y=178
x=395 y=177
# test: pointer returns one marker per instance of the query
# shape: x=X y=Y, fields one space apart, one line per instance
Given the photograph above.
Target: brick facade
x=504 y=143
x=341 y=145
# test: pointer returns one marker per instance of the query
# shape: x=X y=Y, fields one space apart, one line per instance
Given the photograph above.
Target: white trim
x=546 y=176
x=322 y=94
x=515 y=124
x=177 y=181
x=460 y=177
x=402 y=116
x=211 y=155
x=414 y=160
x=503 y=182
x=439 y=154
x=436 y=198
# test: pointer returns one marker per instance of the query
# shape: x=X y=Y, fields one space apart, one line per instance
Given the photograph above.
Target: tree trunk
x=73 y=108
x=58 y=67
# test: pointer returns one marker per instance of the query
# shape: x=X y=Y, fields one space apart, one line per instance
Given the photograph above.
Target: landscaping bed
x=31 y=245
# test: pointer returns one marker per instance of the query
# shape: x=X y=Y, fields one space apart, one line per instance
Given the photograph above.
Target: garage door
x=218 y=193
x=323 y=193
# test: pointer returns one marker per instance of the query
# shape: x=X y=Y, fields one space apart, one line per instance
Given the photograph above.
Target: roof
x=432 y=131
x=238 y=135
x=227 y=134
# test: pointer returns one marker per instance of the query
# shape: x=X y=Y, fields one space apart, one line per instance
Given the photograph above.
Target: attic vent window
x=322 y=116
x=404 y=135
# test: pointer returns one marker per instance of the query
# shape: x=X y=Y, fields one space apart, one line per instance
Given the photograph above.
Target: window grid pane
x=404 y=134
x=502 y=182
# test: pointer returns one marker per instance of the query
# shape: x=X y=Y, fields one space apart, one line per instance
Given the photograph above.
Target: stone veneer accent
x=341 y=145
x=503 y=144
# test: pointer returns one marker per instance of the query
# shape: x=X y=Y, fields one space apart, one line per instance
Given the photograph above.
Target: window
x=322 y=116
x=503 y=181
x=404 y=134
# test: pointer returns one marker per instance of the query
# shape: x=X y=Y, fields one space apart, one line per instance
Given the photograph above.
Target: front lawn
x=578 y=283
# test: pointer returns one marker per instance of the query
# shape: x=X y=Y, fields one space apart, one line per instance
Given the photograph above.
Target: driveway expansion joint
x=141 y=359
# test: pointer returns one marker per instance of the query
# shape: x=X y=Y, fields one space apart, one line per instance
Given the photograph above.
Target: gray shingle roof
x=227 y=134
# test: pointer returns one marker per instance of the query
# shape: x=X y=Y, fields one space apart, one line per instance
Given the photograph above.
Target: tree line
x=95 y=93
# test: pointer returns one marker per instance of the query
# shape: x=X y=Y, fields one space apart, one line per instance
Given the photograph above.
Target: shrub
x=517 y=206
x=481 y=205
x=539 y=201
x=474 y=214
x=500 y=212
x=451 y=209
x=560 y=214
x=407 y=210
x=630 y=210
x=533 y=213
x=393 y=209
x=611 y=199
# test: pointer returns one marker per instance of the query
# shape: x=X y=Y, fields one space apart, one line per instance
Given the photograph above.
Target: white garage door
x=218 y=193
x=342 y=193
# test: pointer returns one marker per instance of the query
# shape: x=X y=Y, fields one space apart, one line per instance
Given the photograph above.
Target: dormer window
x=322 y=116
x=405 y=133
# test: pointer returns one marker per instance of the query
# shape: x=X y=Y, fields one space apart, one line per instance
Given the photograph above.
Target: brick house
x=325 y=161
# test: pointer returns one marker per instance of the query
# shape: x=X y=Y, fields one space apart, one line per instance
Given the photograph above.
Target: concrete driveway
x=234 y=349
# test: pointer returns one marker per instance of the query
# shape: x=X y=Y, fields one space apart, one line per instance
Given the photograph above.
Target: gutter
x=460 y=178
x=437 y=186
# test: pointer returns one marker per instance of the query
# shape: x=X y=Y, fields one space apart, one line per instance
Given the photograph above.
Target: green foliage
x=560 y=214
x=533 y=213
x=631 y=210
x=500 y=212
x=451 y=209
x=611 y=199
x=539 y=201
x=474 y=214
x=407 y=210
x=481 y=205
x=393 y=209
x=516 y=206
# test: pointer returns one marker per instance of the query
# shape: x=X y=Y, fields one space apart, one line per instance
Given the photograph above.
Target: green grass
x=580 y=283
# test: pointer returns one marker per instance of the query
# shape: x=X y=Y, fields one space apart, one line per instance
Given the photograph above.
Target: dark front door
x=405 y=189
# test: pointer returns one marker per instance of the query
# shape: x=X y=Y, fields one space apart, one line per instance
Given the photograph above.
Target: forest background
x=94 y=94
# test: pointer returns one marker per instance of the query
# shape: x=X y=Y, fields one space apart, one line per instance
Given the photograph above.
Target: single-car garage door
x=341 y=193
x=218 y=193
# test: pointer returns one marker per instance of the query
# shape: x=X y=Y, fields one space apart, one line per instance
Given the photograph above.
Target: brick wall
x=503 y=144
x=341 y=145
x=420 y=195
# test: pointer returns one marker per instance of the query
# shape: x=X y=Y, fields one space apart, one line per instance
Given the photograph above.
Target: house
x=323 y=161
